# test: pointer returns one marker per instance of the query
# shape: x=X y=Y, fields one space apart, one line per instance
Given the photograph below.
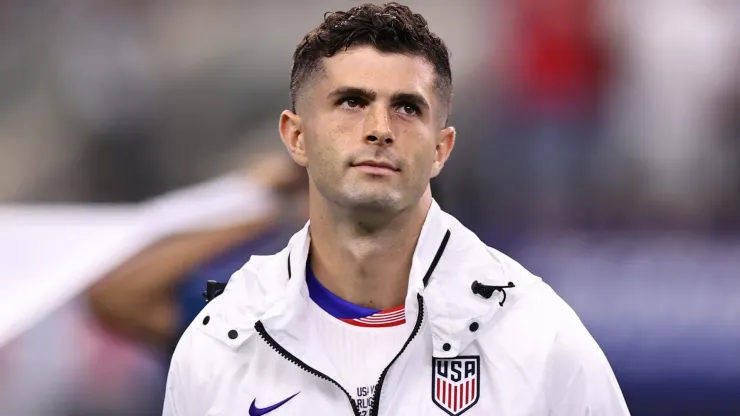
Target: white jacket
x=521 y=351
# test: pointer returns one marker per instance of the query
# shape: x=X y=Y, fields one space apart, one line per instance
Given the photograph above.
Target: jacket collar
x=448 y=258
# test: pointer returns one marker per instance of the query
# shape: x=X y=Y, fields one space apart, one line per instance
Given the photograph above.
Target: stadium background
x=598 y=145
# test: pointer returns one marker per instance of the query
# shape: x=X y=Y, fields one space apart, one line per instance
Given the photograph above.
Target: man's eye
x=350 y=103
x=408 y=110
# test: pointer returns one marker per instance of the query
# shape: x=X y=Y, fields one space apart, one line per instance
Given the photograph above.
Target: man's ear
x=291 y=132
x=445 y=143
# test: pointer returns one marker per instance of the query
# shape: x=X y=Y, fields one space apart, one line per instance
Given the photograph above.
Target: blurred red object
x=554 y=55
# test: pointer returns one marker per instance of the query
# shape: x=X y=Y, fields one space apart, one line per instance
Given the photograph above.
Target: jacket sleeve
x=580 y=380
x=182 y=395
x=176 y=390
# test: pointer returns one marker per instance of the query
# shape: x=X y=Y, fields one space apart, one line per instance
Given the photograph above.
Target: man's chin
x=374 y=201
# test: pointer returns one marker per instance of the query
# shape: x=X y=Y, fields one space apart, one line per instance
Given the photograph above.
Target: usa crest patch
x=456 y=383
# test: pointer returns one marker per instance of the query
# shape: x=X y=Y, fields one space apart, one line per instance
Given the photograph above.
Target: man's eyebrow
x=340 y=92
x=411 y=98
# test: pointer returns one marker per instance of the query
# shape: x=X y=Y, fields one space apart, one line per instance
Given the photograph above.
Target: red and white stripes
x=455 y=397
x=385 y=318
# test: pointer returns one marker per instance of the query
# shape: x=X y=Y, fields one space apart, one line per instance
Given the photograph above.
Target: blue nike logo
x=256 y=411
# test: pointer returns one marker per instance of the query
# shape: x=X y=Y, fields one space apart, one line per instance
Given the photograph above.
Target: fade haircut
x=389 y=28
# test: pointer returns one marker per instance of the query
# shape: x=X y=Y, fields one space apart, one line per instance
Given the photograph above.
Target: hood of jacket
x=447 y=260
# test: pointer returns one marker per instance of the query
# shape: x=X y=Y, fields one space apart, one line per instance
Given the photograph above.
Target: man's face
x=370 y=131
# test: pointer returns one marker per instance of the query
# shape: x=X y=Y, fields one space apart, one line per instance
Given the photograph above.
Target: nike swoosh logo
x=256 y=411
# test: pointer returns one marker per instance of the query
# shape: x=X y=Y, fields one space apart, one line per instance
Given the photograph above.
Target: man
x=383 y=304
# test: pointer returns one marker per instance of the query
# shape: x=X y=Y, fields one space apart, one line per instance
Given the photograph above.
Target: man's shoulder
x=214 y=340
x=539 y=327
x=209 y=352
x=531 y=304
x=540 y=342
x=537 y=308
x=228 y=319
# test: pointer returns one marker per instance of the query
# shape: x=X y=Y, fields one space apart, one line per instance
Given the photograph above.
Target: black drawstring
x=437 y=256
x=487 y=291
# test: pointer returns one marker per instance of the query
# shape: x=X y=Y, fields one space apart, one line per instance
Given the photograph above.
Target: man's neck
x=366 y=267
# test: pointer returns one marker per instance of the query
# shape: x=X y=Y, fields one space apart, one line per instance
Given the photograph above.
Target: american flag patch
x=456 y=383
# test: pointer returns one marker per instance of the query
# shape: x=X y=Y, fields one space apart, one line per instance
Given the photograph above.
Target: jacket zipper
x=293 y=359
x=379 y=386
x=305 y=367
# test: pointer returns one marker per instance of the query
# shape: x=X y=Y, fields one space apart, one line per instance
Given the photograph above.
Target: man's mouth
x=376 y=167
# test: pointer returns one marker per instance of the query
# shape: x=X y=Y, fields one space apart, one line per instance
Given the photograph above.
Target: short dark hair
x=390 y=28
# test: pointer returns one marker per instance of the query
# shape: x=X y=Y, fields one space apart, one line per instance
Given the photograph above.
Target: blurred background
x=598 y=145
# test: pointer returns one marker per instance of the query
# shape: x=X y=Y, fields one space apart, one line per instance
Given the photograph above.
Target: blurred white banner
x=50 y=254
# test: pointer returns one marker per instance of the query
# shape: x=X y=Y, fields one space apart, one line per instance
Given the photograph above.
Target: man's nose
x=378 y=127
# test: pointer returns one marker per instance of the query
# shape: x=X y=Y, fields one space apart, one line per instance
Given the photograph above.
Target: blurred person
x=537 y=126
x=94 y=371
x=554 y=69
x=383 y=303
x=679 y=61
x=152 y=297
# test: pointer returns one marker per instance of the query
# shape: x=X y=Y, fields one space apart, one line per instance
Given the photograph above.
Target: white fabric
x=48 y=255
x=359 y=354
x=536 y=357
x=51 y=253
x=220 y=202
